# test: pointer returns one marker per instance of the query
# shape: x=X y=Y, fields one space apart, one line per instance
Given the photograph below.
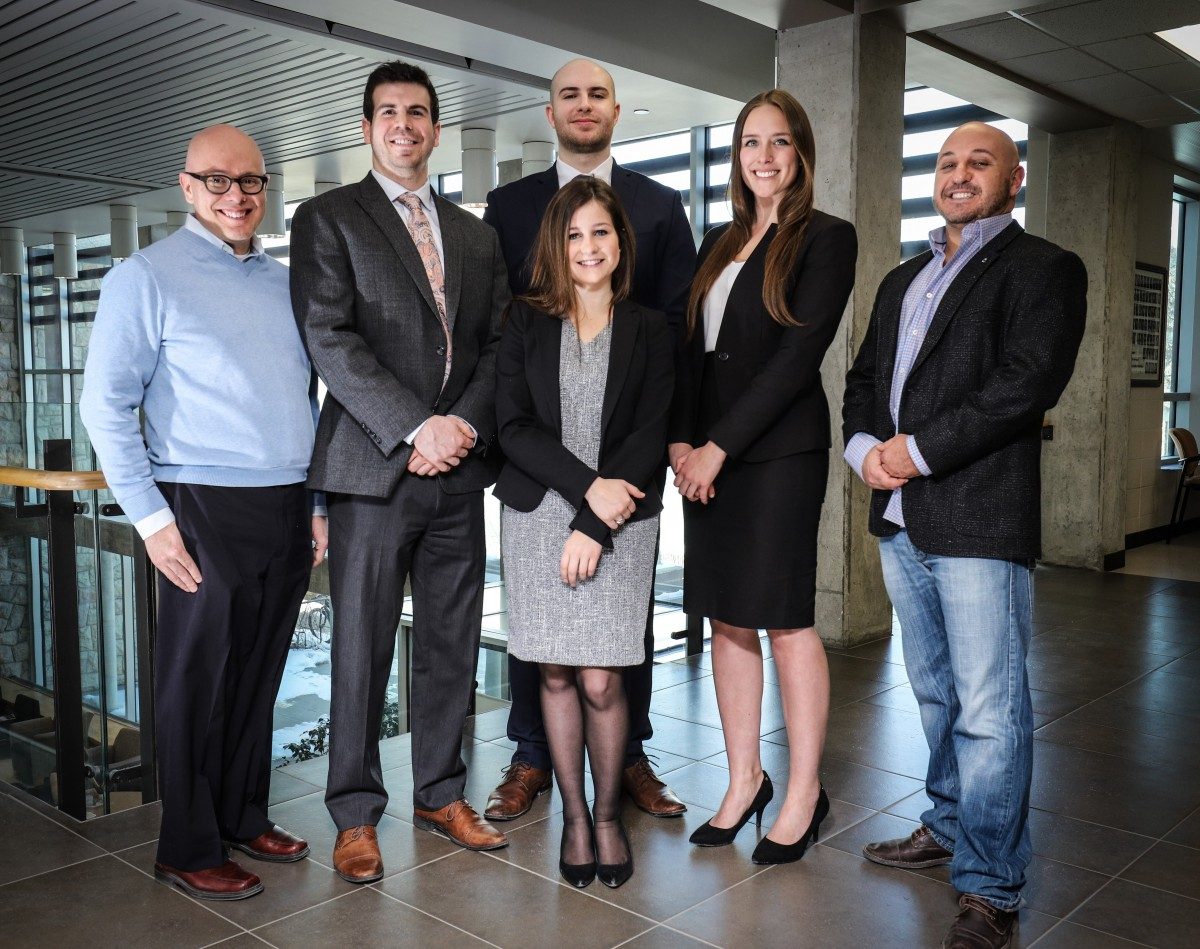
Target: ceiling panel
x=1099 y=20
x=1134 y=52
x=1103 y=89
x=1005 y=38
x=1060 y=65
x=1175 y=77
x=125 y=102
x=1153 y=111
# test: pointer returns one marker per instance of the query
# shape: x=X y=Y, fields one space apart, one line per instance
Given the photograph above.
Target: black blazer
x=665 y=252
x=633 y=416
x=998 y=354
x=768 y=377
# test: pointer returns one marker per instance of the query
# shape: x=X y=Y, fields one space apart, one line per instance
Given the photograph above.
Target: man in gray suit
x=398 y=294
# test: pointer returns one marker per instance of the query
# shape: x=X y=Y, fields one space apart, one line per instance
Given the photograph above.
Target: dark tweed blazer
x=998 y=354
x=367 y=315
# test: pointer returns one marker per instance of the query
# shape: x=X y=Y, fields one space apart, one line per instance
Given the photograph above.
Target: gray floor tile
x=910 y=808
x=660 y=937
x=488 y=726
x=364 y=918
x=1090 y=846
x=898 y=696
x=287 y=887
x=483 y=895
x=125 y=828
x=876 y=737
x=32 y=844
x=696 y=701
x=286 y=787
x=667 y=674
x=1148 y=750
x=241 y=941
x=669 y=873
x=401 y=845
x=1058 y=888
x=1140 y=913
x=1168 y=867
x=314 y=771
x=1187 y=832
x=851 y=666
x=685 y=738
x=60 y=909
x=1070 y=936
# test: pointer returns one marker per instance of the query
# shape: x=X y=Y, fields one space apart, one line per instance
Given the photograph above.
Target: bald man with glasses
x=197 y=332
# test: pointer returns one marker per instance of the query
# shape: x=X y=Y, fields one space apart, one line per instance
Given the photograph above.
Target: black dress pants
x=219 y=655
x=525 y=714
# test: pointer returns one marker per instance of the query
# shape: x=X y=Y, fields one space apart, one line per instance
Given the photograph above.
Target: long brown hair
x=795 y=210
x=551 y=288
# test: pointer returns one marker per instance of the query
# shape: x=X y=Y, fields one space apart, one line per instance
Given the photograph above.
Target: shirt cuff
x=153 y=523
x=411 y=437
x=319 y=507
x=857 y=449
x=915 y=454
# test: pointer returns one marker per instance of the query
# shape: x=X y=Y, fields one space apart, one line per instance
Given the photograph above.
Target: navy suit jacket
x=666 y=250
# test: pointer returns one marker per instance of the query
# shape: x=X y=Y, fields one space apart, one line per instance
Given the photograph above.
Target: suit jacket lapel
x=958 y=290
x=452 y=254
x=372 y=200
x=544 y=188
x=620 y=352
x=625 y=184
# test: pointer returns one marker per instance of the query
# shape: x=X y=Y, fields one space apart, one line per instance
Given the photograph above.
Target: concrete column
x=1091 y=209
x=508 y=171
x=848 y=73
x=536 y=156
x=1037 y=171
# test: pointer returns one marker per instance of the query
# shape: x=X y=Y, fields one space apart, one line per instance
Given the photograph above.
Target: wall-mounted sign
x=1149 y=325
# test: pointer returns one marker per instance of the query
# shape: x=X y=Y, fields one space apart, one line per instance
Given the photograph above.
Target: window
x=1179 y=356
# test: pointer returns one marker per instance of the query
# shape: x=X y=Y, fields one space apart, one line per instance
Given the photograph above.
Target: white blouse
x=715 y=300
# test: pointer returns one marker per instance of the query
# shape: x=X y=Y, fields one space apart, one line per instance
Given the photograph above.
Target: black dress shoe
x=613 y=875
x=980 y=925
x=768 y=851
x=706 y=835
x=578 y=875
x=916 y=851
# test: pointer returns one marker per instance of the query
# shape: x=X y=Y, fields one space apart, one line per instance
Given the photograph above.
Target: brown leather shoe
x=460 y=823
x=276 y=846
x=226 y=882
x=980 y=925
x=522 y=785
x=915 y=851
x=649 y=793
x=356 y=856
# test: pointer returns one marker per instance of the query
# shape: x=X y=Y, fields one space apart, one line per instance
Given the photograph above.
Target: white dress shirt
x=566 y=173
x=715 y=301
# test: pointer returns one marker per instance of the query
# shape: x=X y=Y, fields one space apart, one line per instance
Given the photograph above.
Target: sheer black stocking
x=562 y=715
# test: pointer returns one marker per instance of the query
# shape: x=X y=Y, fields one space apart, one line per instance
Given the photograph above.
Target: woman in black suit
x=750 y=449
x=584 y=380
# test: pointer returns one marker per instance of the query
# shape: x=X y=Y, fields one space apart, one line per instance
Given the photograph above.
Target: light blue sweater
x=207 y=345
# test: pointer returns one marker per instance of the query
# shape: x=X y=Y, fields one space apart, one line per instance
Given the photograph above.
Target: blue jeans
x=965 y=624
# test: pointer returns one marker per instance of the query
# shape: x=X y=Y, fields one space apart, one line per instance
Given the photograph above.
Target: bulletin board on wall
x=1149 y=325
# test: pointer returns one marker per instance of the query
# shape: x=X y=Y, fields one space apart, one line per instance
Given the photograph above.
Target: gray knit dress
x=602 y=621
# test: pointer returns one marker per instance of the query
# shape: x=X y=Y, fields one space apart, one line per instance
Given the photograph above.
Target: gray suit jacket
x=367 y=316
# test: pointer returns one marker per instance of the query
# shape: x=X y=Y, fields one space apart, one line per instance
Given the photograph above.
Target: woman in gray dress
x=584 y=382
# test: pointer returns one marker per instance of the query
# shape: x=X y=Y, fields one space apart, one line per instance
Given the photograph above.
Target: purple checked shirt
x=921 y=301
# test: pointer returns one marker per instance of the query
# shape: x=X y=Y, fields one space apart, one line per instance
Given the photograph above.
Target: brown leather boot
x=649 y=793
x=356 y=857
x=522 y=785
x=226 y=882
x=459 y=822
x=275 y=845
x=915 y=851
x=980 y=925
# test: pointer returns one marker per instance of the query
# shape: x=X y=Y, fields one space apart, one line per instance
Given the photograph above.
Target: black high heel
x=706 y=835
x=613 y=875
x=578 y=875
x=768 y=851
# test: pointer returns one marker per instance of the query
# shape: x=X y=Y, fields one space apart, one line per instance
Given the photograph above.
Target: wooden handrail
x=53 y=480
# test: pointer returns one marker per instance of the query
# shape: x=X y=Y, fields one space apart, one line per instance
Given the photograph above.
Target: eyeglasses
x=219 y=184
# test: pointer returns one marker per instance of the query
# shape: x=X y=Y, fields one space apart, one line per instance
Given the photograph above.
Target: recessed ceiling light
x=641 y=111
x=1186 y=39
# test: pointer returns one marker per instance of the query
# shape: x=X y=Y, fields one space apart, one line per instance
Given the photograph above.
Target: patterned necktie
x=422 y=235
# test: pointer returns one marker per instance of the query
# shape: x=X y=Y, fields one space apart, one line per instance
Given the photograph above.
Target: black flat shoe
x=768 y=851
x=706 y=835
x=578 y=875
x=613 y=875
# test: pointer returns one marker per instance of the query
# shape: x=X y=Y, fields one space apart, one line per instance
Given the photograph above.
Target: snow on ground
x=306 y=673
x=283 y=736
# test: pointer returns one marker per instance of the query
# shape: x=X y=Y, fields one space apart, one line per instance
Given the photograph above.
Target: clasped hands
x=888 y=465
x=696 y=469
x=441 y=444
x=613 y=501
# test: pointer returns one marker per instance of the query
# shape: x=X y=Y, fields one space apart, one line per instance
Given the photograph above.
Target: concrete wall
x=1149 y=490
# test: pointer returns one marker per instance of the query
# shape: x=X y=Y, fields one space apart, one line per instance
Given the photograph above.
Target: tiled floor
x=1115 y=664
x=1178 y=560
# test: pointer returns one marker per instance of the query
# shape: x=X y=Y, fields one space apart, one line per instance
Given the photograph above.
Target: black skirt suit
x=751 y=552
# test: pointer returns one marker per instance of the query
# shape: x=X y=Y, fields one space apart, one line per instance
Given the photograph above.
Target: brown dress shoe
x=460 y=823
x=522 y=785
x=356 y=856
x=649 y=793
x=226 y=882
x=915 y=851
x=276 y=846
x=980 y=925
